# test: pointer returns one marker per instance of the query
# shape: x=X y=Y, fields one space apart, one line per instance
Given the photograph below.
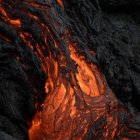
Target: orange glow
x=63 y=114
x=85 y=76
x=61 y=3
x=78 y=99
x=15 y=22
x=2 y=11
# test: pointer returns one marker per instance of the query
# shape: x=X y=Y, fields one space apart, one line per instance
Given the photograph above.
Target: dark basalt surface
x=109 y=27
x=119 y=55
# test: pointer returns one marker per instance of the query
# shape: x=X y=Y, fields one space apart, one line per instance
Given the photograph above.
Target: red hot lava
x=75 y=101
x=79 y=105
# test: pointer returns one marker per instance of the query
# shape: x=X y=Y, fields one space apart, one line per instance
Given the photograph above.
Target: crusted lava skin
x=33 y=36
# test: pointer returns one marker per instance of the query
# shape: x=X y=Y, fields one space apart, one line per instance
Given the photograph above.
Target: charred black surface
x=95 y=26
x=20 y=72
x=111 y=27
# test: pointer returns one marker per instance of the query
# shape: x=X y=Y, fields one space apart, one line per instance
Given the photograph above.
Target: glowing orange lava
x=60 y=2
x=78 y=104
x=71 y=107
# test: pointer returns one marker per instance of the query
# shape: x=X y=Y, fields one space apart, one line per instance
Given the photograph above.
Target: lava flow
x=75 y=100
x=78 y=104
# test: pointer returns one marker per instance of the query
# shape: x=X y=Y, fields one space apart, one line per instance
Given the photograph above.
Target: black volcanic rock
x=111 y=28
x=119 y=51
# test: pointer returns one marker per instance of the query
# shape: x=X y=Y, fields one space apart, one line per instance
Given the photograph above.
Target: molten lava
x=76 y=99
x=78 y=105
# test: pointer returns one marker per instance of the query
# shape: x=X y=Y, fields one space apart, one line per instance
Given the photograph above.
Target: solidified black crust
x=109 y=27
